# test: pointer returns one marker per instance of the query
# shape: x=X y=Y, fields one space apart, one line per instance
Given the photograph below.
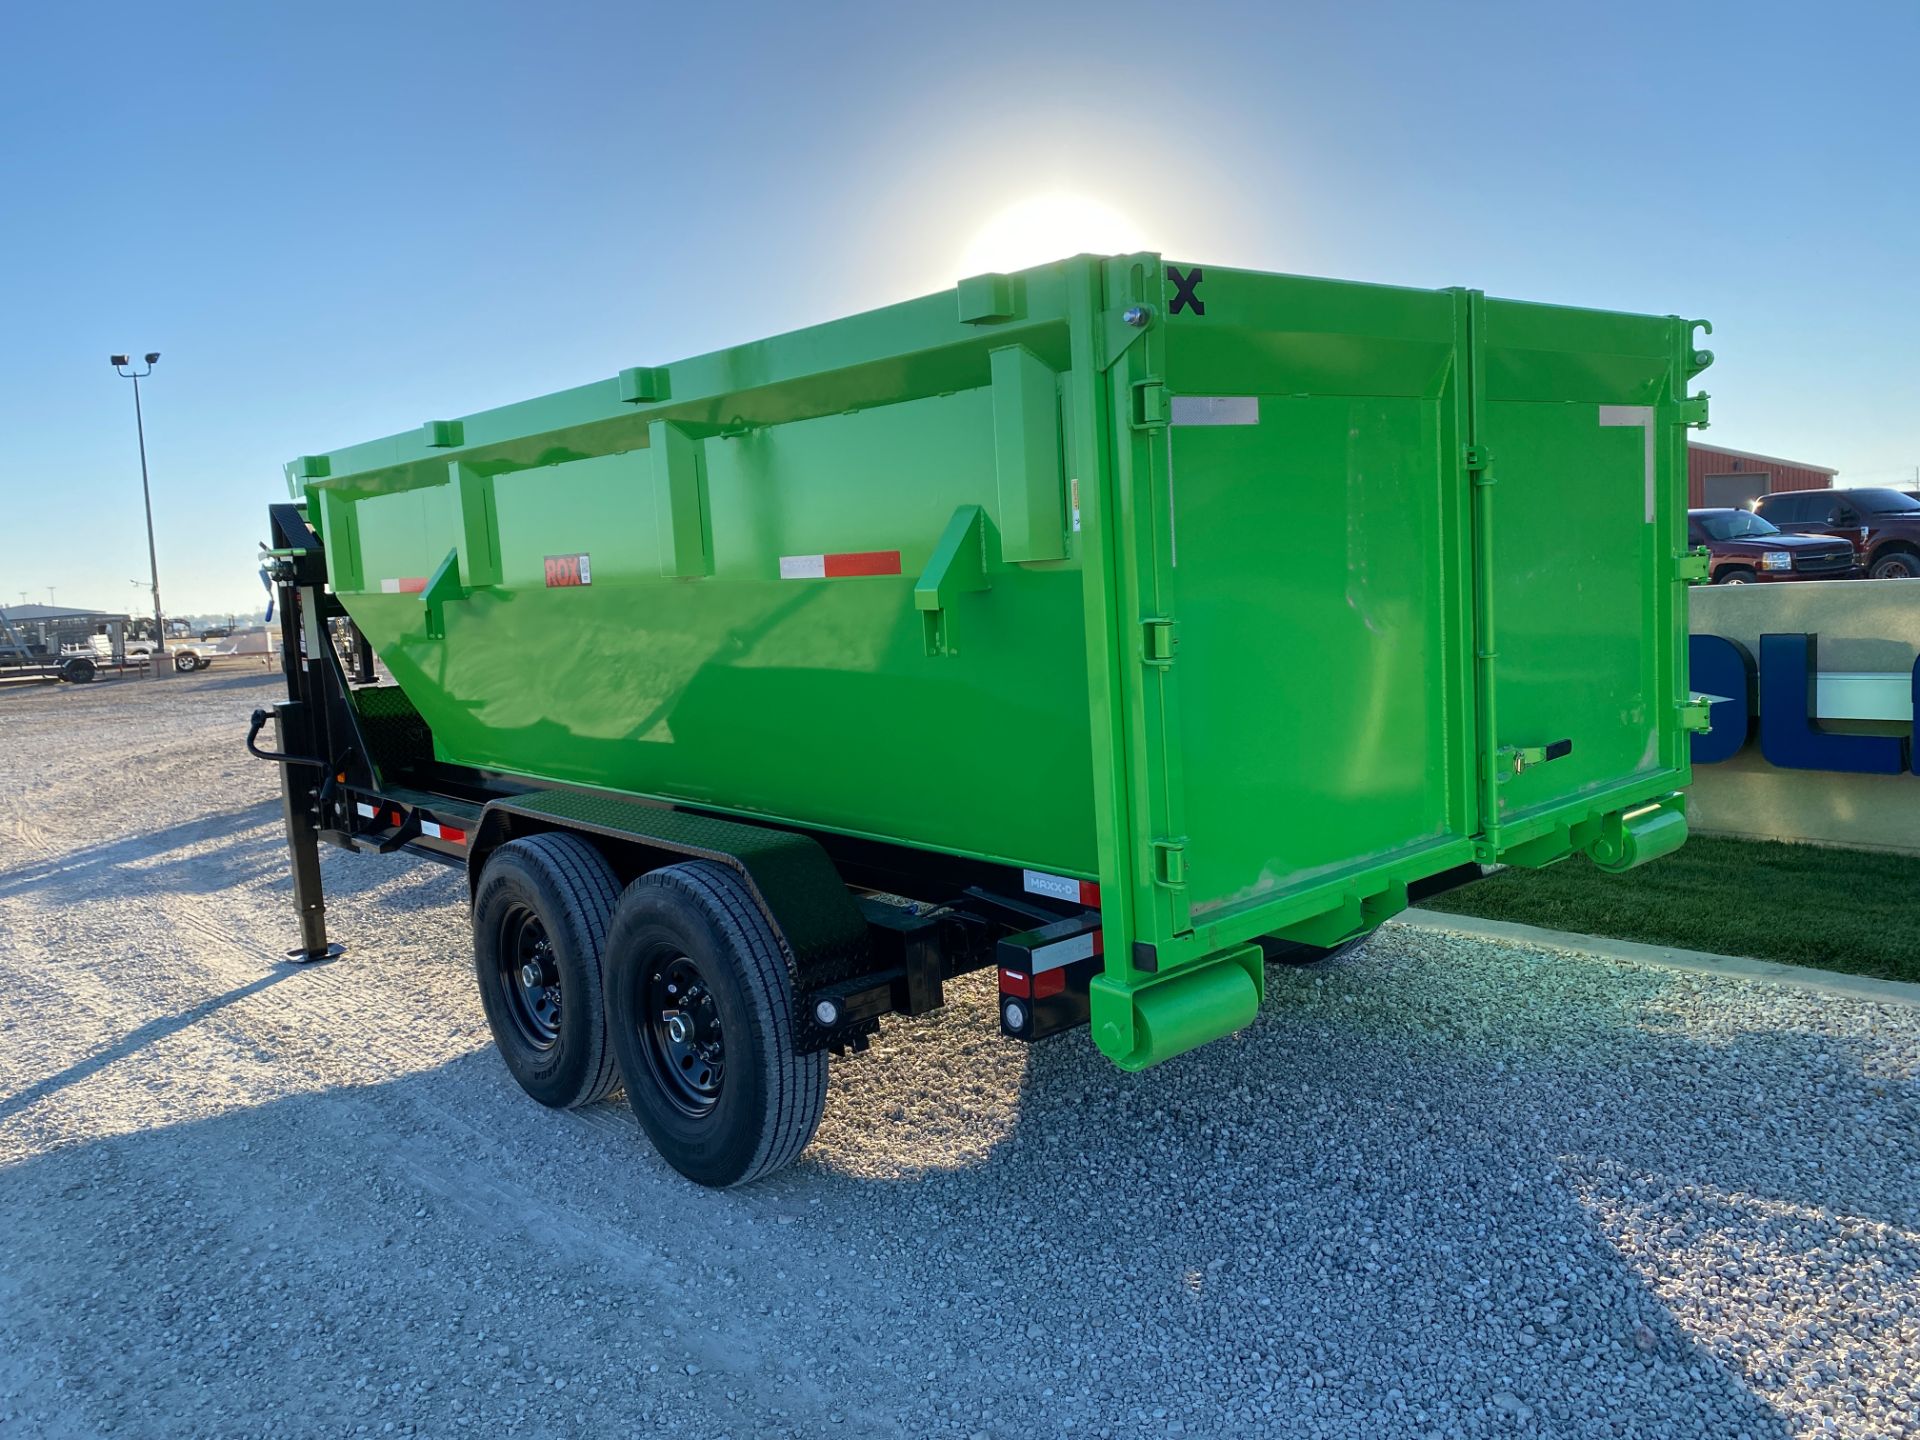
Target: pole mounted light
x=122 y=366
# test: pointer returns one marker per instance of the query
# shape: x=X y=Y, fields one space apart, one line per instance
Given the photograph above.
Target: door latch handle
x=1512 y=759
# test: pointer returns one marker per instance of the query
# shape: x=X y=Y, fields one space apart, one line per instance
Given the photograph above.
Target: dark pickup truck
x=1882 y=525
x=1746 y=549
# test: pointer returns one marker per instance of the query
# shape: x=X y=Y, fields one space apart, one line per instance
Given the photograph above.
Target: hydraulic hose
x=260 y=718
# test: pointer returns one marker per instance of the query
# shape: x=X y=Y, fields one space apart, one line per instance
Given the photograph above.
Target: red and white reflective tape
x=434 y=828
x=1059 y=887
x=405 y=585
x=840 y=567
x=1065 y=952
x=1046 y=972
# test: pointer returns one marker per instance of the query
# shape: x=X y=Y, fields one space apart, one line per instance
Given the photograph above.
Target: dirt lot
x=1447 y=1188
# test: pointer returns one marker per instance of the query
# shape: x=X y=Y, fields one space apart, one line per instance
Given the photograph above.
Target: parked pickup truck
x=187 y=655
x=1883 y=525
x=1746 y=549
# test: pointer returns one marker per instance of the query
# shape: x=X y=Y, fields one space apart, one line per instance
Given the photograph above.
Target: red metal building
x=1719 y=476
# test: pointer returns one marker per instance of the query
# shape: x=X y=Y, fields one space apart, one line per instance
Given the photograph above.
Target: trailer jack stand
x=333 y=951
x=303 y=842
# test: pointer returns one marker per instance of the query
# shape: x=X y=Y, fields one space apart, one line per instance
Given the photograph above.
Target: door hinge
x=1170 y=862
x=1150 y=407
x=1693 y=410
x=1157 y=641
x=1693 y=566
x=1478 y=462
x=1696 y=713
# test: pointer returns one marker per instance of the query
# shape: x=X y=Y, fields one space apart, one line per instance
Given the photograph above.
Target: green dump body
x=1253 y=598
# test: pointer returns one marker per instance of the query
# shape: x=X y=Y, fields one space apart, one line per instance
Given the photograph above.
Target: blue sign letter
x=1789 y=737
x=1722 y=668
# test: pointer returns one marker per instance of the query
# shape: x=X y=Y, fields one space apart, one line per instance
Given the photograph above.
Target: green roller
x=1182 y=1013
x=1639 y=836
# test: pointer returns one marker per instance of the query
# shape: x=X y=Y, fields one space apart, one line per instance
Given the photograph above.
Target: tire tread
x=588 y=889
x=797 y=1083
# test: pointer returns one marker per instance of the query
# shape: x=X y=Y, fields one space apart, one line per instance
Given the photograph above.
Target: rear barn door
x=1576 y=419
x=1315 y=565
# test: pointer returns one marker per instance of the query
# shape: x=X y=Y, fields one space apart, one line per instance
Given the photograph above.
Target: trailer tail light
x=1038 y=986
x=1044 y=975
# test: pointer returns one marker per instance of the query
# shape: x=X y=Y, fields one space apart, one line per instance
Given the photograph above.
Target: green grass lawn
x=1851 y=910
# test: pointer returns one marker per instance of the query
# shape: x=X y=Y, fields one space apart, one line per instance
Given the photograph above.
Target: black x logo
x=1183 y=288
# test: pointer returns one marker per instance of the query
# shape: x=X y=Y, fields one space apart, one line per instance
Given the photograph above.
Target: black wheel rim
x=680 y=1035
x=529 y=979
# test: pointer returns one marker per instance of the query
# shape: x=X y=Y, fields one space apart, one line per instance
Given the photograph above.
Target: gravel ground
x=1446 y=1188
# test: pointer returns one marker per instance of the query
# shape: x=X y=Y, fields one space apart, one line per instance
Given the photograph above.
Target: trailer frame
x=871 y=929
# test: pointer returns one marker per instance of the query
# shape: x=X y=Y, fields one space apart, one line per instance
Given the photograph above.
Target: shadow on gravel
x=230 y=849
x=136 y=1040
x=428 y=1254
x=96 y=871
x=1514 y=1195
x=239 y=680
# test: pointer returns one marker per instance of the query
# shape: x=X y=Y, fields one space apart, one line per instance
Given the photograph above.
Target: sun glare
x=1050 y=227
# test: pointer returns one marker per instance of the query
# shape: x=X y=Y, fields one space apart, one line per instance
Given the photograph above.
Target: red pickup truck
x=1746 y=549
x=1883 y=525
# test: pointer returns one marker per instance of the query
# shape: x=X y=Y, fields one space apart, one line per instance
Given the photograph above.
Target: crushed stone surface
x=1442 y=1188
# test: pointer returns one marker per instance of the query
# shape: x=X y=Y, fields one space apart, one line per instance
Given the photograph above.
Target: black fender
x=822 y=931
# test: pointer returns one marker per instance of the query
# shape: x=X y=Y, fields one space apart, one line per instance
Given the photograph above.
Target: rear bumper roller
x=1141 y=1026
x=1637 y=836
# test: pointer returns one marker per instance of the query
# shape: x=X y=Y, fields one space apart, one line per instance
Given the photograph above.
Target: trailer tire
x=700 y=1008
x=544 y=902
x=77 y=671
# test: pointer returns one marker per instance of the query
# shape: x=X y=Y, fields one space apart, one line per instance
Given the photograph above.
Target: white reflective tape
x=1216 y=410
x=389 y=587
x=366 y=810
x=1056 y=887
x=430 y=827
x=1063 y=952
x=1641 y=415
x=803 y=567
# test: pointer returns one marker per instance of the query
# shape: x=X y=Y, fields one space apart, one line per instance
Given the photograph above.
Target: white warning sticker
x=1057 y=887
x=1216 y=410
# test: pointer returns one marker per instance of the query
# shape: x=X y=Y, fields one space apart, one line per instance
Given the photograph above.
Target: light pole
x=121 y=366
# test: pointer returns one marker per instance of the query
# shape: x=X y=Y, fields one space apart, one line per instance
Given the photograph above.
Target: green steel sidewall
x=1277 y=672
x=812 y=700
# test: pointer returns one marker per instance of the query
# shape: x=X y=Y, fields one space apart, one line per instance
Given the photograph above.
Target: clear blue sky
x=337 y=221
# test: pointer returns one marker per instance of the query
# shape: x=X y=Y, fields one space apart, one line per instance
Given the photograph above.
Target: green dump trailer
x=1121 y=625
